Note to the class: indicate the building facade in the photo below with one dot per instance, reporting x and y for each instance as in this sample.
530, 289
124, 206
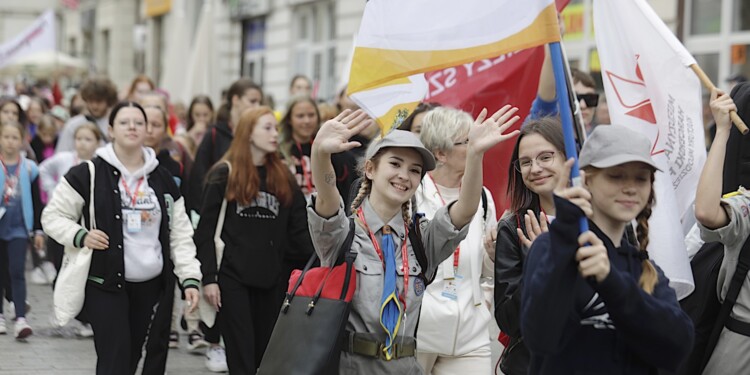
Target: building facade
201, 46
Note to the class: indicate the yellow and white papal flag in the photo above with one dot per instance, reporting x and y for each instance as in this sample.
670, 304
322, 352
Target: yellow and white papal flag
399, 41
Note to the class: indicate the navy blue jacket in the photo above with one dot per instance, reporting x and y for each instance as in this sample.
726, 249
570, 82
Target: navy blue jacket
574, 326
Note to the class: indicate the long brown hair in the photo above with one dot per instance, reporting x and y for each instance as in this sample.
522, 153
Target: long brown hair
649, 277
285, 126
243, 183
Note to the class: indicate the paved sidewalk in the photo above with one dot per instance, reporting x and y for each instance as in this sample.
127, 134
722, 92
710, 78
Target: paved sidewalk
45, 354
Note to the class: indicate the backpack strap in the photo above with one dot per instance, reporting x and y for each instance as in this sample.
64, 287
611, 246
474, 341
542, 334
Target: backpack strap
415, 237
735, 285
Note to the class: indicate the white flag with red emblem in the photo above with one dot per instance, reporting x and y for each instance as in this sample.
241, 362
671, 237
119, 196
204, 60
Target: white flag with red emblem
651, 89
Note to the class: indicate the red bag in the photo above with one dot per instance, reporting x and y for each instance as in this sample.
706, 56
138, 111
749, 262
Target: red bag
309, 331
326, 280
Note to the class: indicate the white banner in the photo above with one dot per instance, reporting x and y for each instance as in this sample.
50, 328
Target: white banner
38, 37
651, 89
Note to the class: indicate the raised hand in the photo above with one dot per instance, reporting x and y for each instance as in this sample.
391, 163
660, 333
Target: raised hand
721, 104
578, 195
592, 257
333, 137
485, 133
534, 227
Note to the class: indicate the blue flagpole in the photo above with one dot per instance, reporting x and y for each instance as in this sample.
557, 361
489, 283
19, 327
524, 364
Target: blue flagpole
566, 115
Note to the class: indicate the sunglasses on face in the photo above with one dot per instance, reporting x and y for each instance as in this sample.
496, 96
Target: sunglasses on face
591, 100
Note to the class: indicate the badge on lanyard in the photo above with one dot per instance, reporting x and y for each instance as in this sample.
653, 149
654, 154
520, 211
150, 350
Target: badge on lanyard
450, 287
133, 221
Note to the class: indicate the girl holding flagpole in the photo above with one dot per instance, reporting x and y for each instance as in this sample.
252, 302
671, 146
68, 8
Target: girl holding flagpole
593, 303
726, 220
390, 280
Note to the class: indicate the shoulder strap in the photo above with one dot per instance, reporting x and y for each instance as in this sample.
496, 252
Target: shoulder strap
345, 251
484, 204
220, 221
92, 173
738, 278
415, 237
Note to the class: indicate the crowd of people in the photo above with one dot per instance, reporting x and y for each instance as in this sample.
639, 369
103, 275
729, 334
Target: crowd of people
216, 203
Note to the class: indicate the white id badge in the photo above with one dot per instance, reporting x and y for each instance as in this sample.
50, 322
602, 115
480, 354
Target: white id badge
133, 221
2, 212
450, 287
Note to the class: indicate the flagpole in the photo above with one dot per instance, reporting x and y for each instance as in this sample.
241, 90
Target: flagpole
561, 87
710, 86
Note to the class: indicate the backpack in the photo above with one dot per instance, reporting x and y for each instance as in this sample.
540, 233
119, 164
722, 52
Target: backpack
709, 316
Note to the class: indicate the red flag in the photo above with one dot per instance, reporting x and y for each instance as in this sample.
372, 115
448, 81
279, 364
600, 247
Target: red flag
508, 79
561, 4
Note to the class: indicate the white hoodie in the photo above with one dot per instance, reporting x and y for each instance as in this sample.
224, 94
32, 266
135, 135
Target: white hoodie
142, 249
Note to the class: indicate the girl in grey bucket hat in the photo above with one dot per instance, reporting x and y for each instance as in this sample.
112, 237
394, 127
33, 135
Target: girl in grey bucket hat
594, 302
390, 279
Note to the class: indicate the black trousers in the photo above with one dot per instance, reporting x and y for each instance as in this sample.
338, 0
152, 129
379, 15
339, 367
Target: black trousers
247, 319
121, 322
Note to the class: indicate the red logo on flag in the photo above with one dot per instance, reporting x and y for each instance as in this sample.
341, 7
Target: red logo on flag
632, 94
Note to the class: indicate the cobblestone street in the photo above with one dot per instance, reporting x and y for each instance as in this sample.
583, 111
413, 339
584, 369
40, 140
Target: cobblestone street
64, 353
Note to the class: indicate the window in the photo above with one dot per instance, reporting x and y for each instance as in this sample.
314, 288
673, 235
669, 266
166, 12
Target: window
705, 16
741, 14
254, 47
314, 47
709, 62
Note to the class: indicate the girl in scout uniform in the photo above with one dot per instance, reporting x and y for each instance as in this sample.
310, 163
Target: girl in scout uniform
726, 220
386, 303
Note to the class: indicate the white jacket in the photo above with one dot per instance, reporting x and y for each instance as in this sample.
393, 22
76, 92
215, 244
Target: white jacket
457, 327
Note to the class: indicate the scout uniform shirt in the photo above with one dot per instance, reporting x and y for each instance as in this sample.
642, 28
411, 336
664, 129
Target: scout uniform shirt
440, 239
731, 352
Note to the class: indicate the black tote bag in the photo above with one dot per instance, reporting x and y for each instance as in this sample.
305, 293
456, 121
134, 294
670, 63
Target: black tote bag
306, 339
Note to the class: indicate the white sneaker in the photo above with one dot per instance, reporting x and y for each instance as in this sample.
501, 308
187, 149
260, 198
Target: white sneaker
216, 359
49, 271
37, 277
22, 329
3, 329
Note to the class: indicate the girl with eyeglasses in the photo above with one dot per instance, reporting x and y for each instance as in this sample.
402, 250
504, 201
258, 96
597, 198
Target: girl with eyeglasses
142, 239
537, 163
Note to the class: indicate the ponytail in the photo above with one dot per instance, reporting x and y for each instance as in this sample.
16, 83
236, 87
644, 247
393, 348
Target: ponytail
648, 273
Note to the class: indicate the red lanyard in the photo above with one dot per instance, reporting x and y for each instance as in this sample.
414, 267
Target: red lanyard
6, 191
132, 196
404, 254
456, 253
306, 173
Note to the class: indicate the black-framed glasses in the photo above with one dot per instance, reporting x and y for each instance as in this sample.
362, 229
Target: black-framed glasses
466, 142
591, 100
545, 159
